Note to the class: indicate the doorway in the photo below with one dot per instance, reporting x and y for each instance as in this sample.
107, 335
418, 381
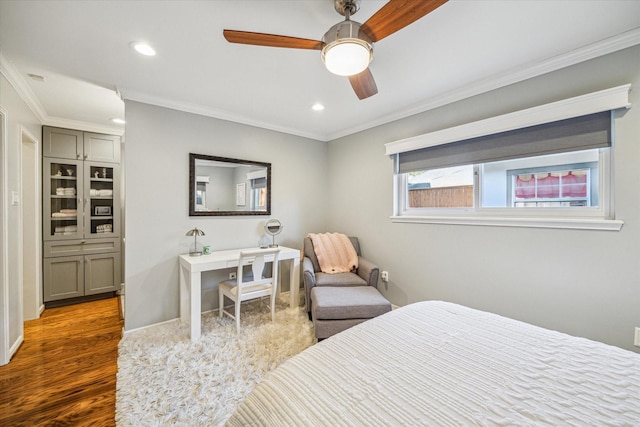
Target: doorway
30, 217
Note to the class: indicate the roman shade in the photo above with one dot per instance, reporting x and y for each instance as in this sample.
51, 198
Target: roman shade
574, 134
259, 183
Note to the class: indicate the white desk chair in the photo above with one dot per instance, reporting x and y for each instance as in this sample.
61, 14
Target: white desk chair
252, 286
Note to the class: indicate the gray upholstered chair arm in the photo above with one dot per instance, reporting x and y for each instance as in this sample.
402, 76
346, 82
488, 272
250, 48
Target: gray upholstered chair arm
368, 271
309, 277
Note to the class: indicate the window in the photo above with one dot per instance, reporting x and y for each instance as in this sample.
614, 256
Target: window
531, 170
562, 186
259, 194
570, 181
440, 188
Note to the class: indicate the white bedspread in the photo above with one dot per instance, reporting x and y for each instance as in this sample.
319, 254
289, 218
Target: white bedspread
437, 363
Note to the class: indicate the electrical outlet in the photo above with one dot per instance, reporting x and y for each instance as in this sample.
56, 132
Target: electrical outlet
636, 340
385, 276
232, 275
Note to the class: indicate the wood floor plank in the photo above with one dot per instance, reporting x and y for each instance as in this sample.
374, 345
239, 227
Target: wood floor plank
65, 371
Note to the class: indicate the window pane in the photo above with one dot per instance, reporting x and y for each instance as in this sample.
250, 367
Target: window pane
440, 188
557, 180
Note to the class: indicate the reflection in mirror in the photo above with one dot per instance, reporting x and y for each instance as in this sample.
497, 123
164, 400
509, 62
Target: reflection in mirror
224, 186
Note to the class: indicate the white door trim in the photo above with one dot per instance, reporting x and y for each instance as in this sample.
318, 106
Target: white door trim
4, 275
36, 301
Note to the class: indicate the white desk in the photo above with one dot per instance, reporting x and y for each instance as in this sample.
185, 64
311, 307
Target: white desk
191, 269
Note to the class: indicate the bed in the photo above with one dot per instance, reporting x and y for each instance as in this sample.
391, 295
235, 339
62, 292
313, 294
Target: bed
435, 363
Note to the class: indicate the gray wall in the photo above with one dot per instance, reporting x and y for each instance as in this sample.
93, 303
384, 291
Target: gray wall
19, 117
158, 144
585, 283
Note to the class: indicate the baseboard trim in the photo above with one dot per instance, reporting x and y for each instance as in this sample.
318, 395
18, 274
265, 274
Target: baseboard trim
16, 345
126, 332
177, 319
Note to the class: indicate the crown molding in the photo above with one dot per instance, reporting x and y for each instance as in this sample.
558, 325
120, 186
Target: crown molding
82, 125
16, 80
132, 95
515, 75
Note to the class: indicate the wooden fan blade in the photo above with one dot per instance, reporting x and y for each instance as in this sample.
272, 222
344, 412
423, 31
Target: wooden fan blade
396, 15
272, 40
363, 84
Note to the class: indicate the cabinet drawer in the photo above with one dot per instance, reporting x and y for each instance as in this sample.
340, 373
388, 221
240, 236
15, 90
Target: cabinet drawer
80, 247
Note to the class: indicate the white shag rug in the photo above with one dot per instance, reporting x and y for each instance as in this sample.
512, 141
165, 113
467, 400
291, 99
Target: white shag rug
166, 380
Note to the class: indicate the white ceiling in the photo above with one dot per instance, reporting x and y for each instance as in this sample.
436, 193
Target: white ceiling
82, 50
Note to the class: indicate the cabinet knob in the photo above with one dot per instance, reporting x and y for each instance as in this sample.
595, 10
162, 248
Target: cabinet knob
85, 156
77, 155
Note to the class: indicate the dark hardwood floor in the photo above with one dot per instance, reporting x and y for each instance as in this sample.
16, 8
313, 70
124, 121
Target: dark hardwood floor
64, 374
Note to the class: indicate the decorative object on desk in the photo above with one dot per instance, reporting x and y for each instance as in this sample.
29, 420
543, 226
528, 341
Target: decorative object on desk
195, 232
102, 210
206, 250
263, 242
96, 174
273, 227
59, 173
104, 172
70, 172
240, 194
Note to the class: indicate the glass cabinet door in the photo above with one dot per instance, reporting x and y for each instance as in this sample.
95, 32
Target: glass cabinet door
62, 199
102, 190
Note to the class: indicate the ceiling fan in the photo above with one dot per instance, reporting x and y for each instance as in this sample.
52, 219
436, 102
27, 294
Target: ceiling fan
347, 48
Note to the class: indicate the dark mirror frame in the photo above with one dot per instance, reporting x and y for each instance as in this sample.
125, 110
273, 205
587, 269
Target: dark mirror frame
192, 185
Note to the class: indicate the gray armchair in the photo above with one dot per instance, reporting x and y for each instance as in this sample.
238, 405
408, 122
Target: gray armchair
339, 301
366, 275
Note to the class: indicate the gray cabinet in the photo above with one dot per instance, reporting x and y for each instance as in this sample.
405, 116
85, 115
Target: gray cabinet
63, 278
81, 213
81, 199
101, 273
78, 145
80, 275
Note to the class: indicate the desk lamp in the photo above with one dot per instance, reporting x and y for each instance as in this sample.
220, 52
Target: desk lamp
195, 233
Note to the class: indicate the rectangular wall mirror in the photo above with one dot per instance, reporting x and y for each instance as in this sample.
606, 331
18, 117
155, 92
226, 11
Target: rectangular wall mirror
220, 186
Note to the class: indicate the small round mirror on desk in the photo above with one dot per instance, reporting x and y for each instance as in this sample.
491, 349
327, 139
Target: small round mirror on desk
273, 227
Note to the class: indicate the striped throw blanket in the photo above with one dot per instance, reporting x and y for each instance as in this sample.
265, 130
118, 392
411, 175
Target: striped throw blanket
335, 252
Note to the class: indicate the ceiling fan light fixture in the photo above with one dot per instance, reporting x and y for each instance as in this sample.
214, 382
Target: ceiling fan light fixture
347, 51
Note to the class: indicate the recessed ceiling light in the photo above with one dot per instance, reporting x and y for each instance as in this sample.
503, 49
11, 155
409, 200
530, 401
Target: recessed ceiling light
143, 48
118, 121
317, 107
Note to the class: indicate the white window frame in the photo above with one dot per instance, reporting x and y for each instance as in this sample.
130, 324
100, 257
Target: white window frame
595, 218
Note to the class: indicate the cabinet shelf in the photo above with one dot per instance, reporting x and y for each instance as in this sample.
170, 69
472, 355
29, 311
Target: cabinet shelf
64, 177
64, 219
101, 180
